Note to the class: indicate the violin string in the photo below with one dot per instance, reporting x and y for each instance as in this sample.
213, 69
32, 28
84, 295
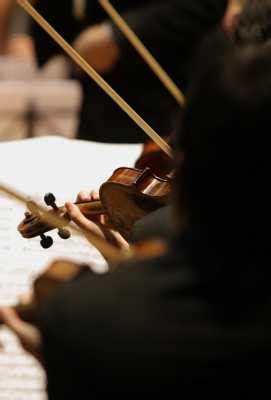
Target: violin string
144, 52
75, 56
111, 252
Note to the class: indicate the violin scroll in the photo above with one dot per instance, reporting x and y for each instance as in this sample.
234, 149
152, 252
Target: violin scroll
32, 225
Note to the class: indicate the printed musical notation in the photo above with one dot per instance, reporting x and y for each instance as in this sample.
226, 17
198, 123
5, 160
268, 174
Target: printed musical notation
64, 167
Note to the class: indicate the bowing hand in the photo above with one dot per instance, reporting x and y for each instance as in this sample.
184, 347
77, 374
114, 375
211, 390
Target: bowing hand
28, 335
97, 46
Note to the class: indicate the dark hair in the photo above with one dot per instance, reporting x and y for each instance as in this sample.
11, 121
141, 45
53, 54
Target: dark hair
253, 25
223, 183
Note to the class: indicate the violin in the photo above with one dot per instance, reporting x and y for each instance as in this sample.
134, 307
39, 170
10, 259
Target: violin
153, 157
127, 196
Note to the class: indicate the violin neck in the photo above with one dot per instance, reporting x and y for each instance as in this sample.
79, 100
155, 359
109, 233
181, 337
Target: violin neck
90, 208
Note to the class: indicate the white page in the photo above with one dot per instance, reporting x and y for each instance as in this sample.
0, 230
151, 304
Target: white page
36, 166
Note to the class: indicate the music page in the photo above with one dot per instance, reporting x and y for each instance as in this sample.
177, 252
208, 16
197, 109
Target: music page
35, 167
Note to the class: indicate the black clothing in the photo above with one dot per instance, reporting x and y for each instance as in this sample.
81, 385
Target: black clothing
156, 225
171, 30
150, 328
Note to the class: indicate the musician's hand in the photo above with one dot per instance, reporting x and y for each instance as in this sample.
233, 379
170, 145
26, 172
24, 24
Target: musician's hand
95, 227
97, 46
85, 196
28, 334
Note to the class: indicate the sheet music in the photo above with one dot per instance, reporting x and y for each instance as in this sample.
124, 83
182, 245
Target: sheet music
36, 166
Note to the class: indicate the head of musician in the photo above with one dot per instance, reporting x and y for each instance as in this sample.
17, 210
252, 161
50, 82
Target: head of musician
253, 24
222, 185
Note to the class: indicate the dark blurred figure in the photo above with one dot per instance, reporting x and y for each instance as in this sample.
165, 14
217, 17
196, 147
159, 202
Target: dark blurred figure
196, 320
246, 22
171, 30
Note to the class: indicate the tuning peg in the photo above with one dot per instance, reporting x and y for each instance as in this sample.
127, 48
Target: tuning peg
46, 241
27, 214
64, 234
50, 200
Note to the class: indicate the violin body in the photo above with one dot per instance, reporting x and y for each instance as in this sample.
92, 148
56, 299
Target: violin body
127, 196
130, 194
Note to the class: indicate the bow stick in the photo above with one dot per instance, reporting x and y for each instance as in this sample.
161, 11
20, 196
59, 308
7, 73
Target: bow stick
143, 51
75, 56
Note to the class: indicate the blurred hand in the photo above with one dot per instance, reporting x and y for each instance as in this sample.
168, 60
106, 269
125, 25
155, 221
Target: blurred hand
28, 334
97, 46
59, 272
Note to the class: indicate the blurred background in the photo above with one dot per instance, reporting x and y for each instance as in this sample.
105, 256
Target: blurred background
42, 93
33, 101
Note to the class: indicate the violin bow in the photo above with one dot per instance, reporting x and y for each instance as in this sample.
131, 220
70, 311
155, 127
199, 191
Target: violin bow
109, 251
143, 52
81, 62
